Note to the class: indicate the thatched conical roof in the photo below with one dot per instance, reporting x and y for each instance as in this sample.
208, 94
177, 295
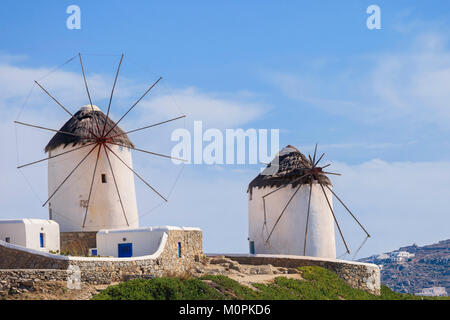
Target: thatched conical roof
291, 165
88, 118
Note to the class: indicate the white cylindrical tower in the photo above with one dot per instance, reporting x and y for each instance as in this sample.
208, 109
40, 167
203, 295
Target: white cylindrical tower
287, 236
112, 178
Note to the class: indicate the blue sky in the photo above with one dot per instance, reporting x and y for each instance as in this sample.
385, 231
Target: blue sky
376, 101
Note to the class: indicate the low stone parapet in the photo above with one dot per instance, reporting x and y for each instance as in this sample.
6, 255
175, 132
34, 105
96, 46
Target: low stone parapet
365, 276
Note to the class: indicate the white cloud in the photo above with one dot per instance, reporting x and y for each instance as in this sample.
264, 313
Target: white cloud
399, 202
215, 110
405, 87
358, 145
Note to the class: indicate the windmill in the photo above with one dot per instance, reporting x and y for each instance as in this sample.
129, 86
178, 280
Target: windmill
296, 215
91, 151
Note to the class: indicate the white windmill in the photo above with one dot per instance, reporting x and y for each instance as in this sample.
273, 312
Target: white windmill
90, 171
291, 210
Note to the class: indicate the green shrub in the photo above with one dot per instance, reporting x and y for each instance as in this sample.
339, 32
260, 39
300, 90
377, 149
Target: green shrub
317, 284
159, 289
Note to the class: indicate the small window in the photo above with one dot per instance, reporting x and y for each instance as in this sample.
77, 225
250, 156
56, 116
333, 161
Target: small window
252, 247
104, 178
179, 249
7, 239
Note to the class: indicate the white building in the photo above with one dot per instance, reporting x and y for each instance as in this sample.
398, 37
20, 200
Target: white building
135, 242
433, 292
36, 234
68, 205
401, 256
288, 235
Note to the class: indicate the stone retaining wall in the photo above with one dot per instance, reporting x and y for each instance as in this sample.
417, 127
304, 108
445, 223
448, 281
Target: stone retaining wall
19, 280
365, 276
164, 261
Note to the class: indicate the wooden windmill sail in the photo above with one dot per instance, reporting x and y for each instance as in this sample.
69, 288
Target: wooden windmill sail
91, 176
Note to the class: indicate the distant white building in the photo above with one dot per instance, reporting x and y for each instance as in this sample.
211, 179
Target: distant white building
401, 256
36, 234
433, 292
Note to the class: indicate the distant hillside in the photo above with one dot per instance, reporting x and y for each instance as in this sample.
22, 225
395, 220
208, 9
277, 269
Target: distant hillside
411, 269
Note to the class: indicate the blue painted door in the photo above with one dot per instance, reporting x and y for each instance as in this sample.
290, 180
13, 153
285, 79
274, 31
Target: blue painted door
41, 239
125, 250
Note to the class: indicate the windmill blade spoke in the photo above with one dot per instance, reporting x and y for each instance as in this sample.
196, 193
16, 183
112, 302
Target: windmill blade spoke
284, 186
317, 162
334, 173
112, 93
264, 206
348, 210
311, 160
73, 170
60, 154
142, 97
149, 152
150, 126
48, 129
327, 165
87, 90
115, 183
137, 175
334, 217
307, 218
64, 108
359, 248
282, 212
92, 184
314, 157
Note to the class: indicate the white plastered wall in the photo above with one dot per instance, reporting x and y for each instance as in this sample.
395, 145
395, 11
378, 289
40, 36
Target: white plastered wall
288, 236
105, 211
145, 240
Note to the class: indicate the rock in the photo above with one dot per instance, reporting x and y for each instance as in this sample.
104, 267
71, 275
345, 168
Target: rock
265, 269
220, 260
236, 266
28, 283
253, 270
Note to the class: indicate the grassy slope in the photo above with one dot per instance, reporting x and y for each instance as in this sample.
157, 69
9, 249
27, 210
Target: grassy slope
318, 283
